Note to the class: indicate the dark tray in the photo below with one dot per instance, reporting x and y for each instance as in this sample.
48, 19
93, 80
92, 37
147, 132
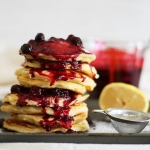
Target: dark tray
101, 131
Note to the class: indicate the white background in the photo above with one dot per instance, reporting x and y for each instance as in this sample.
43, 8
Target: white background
21, 20
105, 19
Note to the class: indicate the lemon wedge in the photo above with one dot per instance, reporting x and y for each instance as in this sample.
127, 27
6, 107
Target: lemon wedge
122, 95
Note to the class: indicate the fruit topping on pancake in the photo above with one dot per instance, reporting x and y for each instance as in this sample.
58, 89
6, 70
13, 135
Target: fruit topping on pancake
53, 83
56, 49
42, 96
62, 65
55, 75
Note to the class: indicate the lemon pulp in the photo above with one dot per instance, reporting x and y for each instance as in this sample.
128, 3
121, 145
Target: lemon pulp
122, 95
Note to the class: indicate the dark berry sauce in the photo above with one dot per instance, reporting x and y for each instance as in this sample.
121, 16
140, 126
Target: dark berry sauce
60, 49
42, 97
59, 65
61, 111
55, 75
65, 121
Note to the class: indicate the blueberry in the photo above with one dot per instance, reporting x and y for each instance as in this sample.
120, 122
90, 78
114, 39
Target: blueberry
70, 37
35, 91
40, 37
74, 40
26, 48
77, 41
21, 103
48, 128
60, 92
16, 88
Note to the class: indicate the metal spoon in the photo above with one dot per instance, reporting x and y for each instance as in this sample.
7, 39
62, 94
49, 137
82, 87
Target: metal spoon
126, 121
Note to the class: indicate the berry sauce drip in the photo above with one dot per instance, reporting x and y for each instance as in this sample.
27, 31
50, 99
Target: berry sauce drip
65, 121
58, 48
42, 97
55, 75
57, 65
61, 111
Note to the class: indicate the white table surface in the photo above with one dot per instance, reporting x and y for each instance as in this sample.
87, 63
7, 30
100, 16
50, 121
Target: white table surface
66, 146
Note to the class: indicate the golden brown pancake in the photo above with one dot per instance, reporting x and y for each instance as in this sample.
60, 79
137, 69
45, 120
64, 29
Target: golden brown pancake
83, 57
51, 102
30, 128
54, 76
72, 110
36, 119
82, 67
27, 82
88, 58
40, 103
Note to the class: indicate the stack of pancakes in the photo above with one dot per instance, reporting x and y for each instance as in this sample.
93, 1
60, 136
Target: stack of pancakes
53, 86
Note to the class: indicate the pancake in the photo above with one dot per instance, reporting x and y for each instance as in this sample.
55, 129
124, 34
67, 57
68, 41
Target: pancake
87, 58
27, 82
51, 101
56, 49
57, 65
39, 120
54, 76
30, 128
55, 111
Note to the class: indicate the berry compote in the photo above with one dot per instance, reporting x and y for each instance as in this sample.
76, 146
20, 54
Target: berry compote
60, 49
55, 75
43, 97
116, 65
57, 65
65, 121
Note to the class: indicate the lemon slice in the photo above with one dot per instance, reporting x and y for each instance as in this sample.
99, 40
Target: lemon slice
122, 95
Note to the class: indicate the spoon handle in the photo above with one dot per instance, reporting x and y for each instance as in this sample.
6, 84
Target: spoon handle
99, 111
